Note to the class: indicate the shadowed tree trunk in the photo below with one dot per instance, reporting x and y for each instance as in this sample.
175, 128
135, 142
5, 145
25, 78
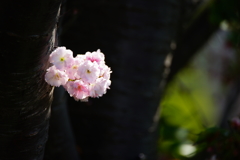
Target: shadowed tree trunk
135, 36
27, 35
61, 143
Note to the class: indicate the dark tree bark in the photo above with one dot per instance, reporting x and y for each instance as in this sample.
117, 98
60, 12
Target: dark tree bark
27, 35
61, 142
135, 36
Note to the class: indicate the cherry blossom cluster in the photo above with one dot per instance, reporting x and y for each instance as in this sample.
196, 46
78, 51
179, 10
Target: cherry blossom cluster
82, 76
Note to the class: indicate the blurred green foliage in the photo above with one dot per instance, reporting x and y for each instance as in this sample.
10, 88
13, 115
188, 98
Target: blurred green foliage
187, 109
223, 144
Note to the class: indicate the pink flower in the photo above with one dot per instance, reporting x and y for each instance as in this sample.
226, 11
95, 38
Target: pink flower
73, 68
55, 77
99, 88
61, 58
80, 58
83, 76
105, 71
77, 89
72, 72
97, 56
88, 71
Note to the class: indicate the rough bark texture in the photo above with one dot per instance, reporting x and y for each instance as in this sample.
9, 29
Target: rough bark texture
61, 142
27, 35
135, 36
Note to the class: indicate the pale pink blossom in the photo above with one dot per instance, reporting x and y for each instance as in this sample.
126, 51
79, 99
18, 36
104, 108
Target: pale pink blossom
80, 58
99, 88
77, 89
73, 68
96, 56
108, 83
72, 72
61, 58
88, 71
105, 71
83, 76
55, 77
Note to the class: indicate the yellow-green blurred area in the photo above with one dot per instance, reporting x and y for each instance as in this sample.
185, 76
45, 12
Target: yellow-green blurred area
194, 100
187, 109
189, 99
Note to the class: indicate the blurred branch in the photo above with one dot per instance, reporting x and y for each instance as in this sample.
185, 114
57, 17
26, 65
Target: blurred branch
230, 103
195, 36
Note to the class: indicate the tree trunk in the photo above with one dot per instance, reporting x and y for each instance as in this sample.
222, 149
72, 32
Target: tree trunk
135, 36
27, 35
61, 142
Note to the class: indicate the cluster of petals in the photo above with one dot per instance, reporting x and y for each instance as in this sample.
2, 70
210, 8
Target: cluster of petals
82, 76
